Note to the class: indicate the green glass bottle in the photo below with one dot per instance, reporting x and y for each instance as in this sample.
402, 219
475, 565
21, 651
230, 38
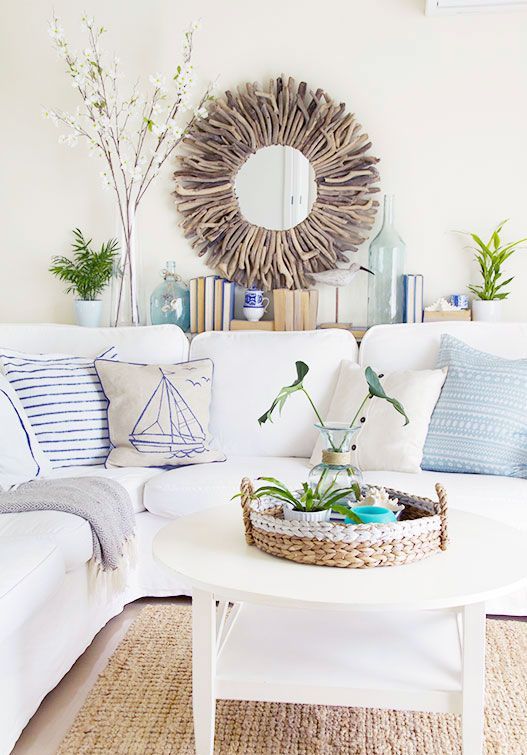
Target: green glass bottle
386, 261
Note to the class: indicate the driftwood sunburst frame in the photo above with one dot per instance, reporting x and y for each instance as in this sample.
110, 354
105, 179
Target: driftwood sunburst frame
237, 126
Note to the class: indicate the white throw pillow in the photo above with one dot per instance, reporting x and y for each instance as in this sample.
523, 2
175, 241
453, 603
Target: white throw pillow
21, 458
384, 442
65, 404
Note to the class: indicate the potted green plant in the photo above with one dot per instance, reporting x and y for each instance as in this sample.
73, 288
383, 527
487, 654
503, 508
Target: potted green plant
87, 275
491, 257
309, 504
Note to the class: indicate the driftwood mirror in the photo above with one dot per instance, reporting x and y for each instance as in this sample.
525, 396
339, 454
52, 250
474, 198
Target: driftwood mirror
276, 184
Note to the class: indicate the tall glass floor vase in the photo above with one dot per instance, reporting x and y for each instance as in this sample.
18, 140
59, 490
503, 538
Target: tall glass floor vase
125, 283
386, 261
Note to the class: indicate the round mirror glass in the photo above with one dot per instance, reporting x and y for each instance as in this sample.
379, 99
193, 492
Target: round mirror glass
276, 187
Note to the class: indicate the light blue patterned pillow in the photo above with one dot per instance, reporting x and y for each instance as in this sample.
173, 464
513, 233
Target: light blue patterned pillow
479, 424
64, 401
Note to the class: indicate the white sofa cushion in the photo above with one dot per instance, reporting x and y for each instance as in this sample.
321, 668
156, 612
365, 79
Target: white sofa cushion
68, 533
21, 458
71, 534
384, 441
249, 370
501, 498
30, 572
386, 348
151, 344
131, 478
189, 489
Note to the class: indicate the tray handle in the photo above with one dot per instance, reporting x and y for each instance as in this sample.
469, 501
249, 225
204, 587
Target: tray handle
441, 508
247, 490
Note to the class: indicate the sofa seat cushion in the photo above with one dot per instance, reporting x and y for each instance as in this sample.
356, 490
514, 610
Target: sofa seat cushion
501, 498
31, 570
69, 533
189, 489
133, 479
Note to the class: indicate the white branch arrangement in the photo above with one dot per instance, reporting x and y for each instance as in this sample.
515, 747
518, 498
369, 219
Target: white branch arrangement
134, 134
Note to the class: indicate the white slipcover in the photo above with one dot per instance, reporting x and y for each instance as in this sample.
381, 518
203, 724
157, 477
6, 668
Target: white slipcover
31, 571
249, 370
163, 344
387, 348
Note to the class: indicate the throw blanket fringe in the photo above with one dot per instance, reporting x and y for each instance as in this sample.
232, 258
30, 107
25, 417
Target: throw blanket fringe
107, 582
103, 503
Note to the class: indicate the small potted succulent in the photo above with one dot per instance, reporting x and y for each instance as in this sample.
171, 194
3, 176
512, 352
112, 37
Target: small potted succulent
491, 257
309, 504
87, 275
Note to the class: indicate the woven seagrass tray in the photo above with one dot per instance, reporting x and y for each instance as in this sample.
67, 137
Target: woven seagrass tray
420, 531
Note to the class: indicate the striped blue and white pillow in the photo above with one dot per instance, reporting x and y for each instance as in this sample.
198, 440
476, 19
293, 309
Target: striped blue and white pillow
479, 424
65, 403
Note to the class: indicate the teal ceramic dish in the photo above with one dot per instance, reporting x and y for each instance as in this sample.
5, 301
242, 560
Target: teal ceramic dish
373, 515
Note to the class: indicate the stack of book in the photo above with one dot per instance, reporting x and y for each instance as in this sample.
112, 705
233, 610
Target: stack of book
211, 303
295, 310
413, 298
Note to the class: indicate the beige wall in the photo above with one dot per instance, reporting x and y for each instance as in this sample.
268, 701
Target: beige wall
443, 99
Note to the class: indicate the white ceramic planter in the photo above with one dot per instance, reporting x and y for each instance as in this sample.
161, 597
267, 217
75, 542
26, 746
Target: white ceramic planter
89, 313
306, 516
486, 311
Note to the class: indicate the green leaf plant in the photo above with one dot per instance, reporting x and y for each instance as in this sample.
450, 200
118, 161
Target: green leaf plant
310, 499
375, 391
89, 272
491, 258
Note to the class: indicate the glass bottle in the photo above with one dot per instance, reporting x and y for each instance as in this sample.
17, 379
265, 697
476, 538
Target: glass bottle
336, 468
386, 261
170, 301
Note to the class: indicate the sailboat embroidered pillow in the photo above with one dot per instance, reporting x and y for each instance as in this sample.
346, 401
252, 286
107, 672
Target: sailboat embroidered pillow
158, 415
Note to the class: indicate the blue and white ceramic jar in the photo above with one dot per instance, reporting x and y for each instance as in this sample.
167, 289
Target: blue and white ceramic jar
254, 304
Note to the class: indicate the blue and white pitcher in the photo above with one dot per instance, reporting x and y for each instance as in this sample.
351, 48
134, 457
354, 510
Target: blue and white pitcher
254, 304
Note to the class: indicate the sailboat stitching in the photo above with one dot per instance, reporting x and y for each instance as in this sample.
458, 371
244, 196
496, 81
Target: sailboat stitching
167, 424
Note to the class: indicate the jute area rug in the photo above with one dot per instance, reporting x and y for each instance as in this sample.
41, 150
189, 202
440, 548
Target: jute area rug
141, 705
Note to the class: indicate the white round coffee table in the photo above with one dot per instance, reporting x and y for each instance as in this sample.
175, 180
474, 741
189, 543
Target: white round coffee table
407, 637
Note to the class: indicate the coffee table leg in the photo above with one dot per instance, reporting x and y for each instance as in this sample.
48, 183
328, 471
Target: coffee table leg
473, 678
203, 670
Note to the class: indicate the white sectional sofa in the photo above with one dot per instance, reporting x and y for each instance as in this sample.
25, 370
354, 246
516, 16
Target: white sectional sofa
48, 617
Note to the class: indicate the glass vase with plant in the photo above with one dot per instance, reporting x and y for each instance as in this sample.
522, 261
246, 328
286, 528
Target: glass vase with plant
336, 470
133, 134
491, 257
87, 275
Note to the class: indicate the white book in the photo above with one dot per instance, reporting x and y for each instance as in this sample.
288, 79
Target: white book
210, 283
409, 298
193, 286
228, 304
419, 298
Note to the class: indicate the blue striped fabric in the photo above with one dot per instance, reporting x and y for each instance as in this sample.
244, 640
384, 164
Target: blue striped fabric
479, 424
64, 401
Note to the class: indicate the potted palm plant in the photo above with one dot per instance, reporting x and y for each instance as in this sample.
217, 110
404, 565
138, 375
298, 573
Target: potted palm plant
87, 275
491, 257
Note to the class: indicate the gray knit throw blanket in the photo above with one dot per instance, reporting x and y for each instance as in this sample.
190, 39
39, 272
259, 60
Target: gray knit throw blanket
103, 503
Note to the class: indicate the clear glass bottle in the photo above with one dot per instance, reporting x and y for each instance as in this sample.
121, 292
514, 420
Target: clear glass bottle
386, 261
336, 468
170, 301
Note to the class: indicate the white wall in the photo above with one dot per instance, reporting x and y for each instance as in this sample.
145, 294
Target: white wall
443, 99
